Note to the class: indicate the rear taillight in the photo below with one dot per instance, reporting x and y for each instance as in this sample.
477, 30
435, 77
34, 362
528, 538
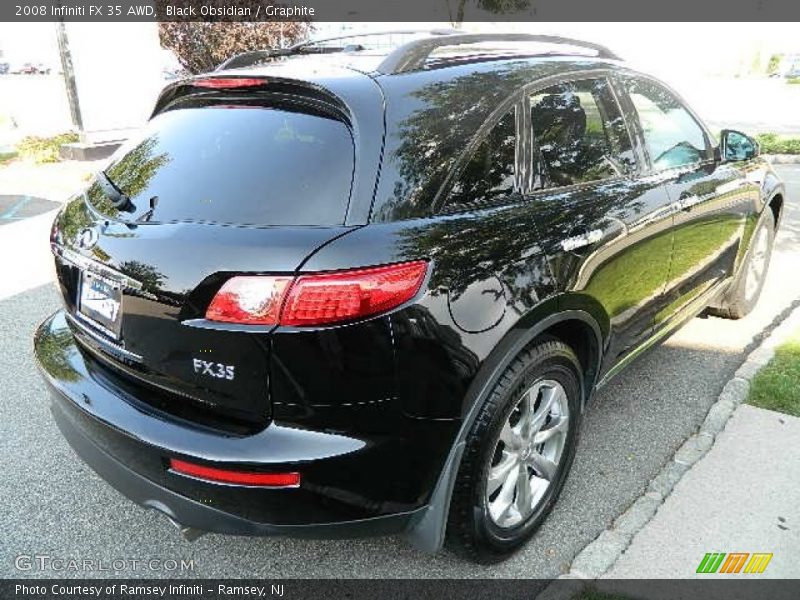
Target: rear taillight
316, 299
253, 300
227, 83
235, 477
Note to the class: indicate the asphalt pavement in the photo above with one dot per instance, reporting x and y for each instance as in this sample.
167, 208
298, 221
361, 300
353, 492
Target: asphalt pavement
52, 505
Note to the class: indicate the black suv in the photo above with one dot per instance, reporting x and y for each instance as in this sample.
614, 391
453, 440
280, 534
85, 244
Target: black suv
358, 292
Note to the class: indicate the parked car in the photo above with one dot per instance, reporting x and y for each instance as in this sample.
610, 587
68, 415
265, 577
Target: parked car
31, 69
4, 68
379, 300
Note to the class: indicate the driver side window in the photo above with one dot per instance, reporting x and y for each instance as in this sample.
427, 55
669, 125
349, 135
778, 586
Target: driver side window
672, 136
579, 133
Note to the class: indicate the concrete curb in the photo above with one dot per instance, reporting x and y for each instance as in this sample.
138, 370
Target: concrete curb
601, 554
783, 159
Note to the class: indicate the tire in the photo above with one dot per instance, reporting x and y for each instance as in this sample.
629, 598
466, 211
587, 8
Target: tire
745, 290
479, 528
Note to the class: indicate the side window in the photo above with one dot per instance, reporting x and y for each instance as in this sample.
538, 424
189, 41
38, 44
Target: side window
673, 137
489, 172
580, 133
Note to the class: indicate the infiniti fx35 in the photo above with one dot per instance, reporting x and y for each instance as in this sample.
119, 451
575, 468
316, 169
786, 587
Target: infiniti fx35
355, 293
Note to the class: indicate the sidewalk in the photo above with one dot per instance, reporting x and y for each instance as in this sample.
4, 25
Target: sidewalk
743, 496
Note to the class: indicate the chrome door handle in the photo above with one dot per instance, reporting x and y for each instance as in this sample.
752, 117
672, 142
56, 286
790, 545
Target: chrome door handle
580, 241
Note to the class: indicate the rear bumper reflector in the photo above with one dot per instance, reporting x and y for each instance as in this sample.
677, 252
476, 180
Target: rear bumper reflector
228, 476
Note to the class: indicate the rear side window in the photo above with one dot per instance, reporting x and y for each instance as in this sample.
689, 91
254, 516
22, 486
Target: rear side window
238, 164
489, 173
580, 133
672, 136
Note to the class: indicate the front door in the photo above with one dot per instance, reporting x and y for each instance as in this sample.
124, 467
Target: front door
710, 202
605, 229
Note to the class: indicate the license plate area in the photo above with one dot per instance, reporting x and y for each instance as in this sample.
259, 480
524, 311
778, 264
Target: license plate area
100, 303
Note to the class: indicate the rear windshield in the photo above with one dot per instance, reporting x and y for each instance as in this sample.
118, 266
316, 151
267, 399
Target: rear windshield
242, 164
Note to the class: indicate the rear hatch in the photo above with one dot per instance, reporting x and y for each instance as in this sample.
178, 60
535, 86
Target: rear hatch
223, 181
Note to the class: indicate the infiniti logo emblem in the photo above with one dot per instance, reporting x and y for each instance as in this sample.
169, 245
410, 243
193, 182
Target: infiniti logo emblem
87, 238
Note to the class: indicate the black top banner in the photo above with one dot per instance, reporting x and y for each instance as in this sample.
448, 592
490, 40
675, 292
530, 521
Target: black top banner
399, 11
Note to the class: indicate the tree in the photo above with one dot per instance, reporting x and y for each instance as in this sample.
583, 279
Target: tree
499, 7
202, 46
774, 64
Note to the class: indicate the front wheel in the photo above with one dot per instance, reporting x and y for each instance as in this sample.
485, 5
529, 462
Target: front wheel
746, 289
517, 454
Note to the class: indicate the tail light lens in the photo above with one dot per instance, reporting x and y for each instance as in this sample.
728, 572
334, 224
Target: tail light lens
317, 299
249, 300
227, 83
235, 477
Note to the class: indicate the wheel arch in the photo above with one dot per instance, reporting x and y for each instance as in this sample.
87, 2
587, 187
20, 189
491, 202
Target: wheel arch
569, 324
775, 204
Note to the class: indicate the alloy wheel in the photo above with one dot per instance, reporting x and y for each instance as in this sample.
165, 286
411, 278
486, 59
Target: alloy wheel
758, 264
527, 453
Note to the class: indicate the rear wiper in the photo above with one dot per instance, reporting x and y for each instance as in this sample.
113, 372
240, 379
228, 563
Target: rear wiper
148, 214
118, 199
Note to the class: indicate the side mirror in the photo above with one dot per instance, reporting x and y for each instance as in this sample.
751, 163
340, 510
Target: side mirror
736, 146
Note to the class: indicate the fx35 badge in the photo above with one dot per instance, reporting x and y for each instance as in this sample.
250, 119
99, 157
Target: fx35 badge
213, 369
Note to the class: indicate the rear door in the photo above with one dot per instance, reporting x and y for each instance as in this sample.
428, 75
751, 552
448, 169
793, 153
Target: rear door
607, 229
221, 183
710, 202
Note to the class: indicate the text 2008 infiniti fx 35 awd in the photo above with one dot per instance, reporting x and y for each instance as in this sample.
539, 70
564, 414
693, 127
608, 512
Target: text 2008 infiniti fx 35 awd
345, 294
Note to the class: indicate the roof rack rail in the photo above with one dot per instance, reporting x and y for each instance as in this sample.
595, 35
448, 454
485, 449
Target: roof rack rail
246, 59
412, 55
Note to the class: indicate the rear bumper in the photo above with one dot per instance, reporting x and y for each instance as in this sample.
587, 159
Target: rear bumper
129, 446
191, 513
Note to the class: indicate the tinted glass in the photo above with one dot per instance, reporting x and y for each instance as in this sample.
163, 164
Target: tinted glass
672, 136
580, 134
236, 164
489, 172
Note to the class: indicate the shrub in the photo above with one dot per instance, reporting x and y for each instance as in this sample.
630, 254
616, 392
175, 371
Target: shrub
771, 143
44, 149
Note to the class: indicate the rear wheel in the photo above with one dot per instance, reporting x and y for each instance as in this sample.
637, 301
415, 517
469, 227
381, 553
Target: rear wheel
517, 454
746, 289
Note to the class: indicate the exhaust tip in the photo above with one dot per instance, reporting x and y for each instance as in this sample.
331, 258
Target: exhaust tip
190, 534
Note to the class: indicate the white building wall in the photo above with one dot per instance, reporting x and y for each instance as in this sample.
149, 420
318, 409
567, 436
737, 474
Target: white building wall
118, 72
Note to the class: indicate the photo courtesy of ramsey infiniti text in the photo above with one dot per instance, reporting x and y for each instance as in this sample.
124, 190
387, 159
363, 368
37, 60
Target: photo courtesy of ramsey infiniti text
335, 290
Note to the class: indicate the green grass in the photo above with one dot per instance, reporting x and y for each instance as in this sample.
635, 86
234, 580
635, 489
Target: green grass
772, 143
777, 386
793, 81
44, 149
7, 157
